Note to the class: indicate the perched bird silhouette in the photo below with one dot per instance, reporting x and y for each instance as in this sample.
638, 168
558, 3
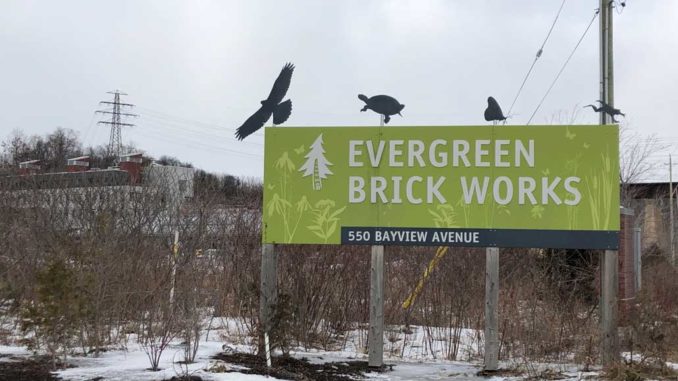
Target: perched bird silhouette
382, 104
493, 112
270, 105
606, 108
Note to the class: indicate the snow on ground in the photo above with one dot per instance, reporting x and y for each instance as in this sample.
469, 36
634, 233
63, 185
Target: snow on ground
422, 357
9, 350
134, 364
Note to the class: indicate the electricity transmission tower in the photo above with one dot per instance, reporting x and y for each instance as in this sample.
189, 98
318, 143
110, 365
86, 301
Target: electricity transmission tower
116, 122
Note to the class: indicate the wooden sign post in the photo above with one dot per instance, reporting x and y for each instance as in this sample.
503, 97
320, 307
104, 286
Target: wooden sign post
609, 282
491, 308
375, 337
376, 333
268, 296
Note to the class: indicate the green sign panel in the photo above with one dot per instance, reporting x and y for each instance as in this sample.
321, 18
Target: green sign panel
506, 186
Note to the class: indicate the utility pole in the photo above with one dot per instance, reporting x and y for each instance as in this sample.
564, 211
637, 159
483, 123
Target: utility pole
609, 267
671, 227
116, 122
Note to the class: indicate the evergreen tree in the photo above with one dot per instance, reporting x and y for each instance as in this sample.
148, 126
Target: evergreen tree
316, 164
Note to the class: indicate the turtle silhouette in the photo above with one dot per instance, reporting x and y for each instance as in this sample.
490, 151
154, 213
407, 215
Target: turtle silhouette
382, 104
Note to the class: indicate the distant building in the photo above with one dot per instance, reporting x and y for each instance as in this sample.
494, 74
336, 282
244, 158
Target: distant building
176, 181
82, 191
650, 203
29, 167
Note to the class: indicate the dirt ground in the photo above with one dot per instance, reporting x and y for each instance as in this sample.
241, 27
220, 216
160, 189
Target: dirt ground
295, 369
26, 369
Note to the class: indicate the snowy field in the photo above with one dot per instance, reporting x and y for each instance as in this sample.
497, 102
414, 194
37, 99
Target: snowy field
421, 358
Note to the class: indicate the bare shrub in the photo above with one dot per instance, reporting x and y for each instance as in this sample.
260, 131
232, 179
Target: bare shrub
547, 308
651, 332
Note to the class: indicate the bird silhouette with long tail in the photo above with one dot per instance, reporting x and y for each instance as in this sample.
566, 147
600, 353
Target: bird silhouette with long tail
270, 106
382, 104
493, 112
606, 108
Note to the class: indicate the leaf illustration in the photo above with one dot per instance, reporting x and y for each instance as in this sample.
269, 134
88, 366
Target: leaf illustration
445, 217
314, 228
303, 205
435, 215
319, 234
502, 209
325, 220
537, 211
324, 203
281, 205
272, 205
331, 230
285, 163
337, 213
299, 150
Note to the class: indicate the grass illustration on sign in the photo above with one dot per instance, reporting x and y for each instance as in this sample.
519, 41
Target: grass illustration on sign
321, 217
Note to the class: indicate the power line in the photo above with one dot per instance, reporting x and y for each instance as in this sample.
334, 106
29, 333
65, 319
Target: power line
564, 65
88, 129
190, 122
195, 140
189, 130
196, 144
161, 115
537, 56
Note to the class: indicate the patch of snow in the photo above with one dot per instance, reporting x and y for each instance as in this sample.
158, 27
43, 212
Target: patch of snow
420, 354
8, 350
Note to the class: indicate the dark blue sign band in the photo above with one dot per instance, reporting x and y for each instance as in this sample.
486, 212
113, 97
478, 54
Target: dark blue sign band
555, 239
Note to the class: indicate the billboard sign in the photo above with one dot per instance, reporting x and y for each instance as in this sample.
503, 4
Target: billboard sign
506, 186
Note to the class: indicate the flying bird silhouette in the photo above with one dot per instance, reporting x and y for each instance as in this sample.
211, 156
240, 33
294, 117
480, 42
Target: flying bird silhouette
606, 108
382, 104
270, 106
493, 112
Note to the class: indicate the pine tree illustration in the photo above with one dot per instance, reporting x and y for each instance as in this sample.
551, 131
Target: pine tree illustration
316, 164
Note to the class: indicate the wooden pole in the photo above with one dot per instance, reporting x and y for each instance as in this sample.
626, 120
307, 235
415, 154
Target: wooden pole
491, 308
175, 256
375, 336
376, 333
671, 227
609, 277
609, 266
269, 292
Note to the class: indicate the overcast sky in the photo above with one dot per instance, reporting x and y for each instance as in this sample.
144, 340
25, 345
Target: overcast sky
197, 69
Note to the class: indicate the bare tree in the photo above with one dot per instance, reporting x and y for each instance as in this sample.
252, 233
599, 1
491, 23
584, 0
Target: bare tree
635, 160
